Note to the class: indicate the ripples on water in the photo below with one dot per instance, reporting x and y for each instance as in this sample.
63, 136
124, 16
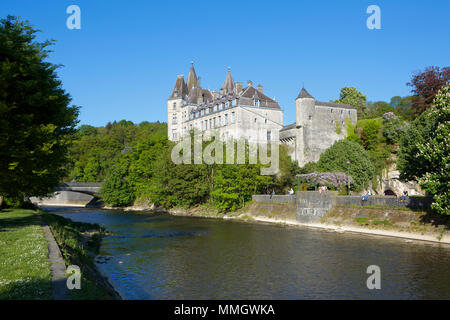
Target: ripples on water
166, 257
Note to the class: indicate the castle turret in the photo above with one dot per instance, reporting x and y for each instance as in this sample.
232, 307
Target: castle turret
304, 108
175, 104
228, 85
192, 80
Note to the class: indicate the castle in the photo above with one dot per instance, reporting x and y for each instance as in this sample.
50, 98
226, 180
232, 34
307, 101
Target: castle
237, 112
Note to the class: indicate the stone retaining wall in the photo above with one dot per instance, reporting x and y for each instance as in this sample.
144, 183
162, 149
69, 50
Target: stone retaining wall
312, 205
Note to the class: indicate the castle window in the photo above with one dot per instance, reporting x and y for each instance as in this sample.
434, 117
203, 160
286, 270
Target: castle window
309, 117
174, 106
332, 121
226, 119
348, 111
269, 135
206, 110
342, 111
210, 123
255, 120
233, 116
265, 121
214, 122
206, 124
331, 110
220, 121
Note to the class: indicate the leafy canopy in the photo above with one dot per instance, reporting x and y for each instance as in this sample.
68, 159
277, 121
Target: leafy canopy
36, 121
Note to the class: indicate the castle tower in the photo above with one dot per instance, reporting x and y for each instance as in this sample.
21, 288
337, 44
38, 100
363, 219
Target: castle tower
304, 107
175, 104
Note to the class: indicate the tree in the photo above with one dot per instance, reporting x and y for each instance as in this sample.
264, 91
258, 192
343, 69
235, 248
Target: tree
116, 190
370, 133
403, 107
411, 166
36, 121
353, 97
393, 128
436, 153
425, 86
377, 109
335, 159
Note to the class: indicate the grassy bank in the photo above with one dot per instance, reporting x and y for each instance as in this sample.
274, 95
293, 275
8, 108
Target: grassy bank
24, 264
79, 243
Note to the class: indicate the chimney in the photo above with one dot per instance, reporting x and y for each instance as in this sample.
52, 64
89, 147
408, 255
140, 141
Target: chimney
249, 83
238, 87
260, 88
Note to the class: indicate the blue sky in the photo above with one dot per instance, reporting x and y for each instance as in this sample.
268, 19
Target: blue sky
123, 62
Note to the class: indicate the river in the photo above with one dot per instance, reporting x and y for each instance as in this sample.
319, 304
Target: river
158, 256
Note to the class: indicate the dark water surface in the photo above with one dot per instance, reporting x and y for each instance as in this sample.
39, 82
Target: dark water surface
157, 256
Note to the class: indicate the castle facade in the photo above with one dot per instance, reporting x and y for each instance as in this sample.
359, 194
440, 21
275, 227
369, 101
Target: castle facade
246, 112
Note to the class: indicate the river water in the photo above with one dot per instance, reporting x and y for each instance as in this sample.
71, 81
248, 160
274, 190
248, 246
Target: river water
158, 256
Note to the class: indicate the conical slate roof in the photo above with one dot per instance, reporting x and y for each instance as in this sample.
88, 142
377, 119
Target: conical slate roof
192, 80
304, 94
228, 85
180, 89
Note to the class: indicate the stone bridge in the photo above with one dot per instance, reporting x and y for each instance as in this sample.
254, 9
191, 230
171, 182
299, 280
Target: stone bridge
80, 194
91, 188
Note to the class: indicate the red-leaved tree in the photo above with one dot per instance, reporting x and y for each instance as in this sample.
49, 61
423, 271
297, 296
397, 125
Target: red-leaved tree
425, 86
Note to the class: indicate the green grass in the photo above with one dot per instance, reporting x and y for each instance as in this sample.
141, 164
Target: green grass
79, 242
362, 220
383, 222
24, 264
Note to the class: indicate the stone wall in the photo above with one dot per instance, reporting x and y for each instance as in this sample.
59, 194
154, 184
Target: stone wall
273, 199
415, 203
310, 206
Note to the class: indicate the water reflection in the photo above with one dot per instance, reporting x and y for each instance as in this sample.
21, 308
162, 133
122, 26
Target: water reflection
165, 257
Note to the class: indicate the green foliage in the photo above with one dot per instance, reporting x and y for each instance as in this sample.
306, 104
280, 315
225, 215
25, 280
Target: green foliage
377, 109
335, 159
403, 107
410, 165
96, 150
116, 190
370, 135
353, 97
36, 121
351, 133
435, 153
393, 129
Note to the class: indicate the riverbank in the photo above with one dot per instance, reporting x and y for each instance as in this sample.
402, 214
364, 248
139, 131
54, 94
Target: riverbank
79, 244
380, 221
385, 221
36, 247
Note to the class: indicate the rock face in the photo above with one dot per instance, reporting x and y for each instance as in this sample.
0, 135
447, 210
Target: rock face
391, 184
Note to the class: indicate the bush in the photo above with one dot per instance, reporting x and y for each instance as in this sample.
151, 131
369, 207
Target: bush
335, 159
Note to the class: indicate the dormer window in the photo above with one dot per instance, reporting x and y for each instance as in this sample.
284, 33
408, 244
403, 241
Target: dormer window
257, 102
